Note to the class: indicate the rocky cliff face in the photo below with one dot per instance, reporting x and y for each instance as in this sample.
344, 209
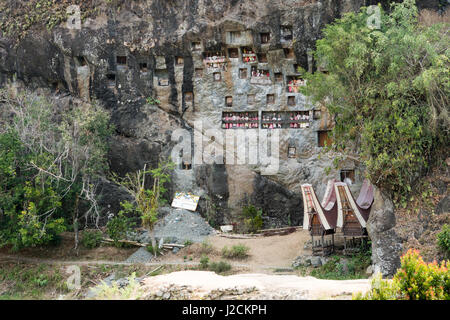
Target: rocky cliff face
133, 50
163, 50
170, 71
386, 244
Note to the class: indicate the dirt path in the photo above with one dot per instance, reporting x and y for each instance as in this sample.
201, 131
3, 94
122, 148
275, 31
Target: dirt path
265, 252
277, 251
10, 258
253, 277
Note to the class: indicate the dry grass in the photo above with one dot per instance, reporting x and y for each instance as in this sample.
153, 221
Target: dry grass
410, 227
264, 253
429, 17
418, 225
64, 251
20, 280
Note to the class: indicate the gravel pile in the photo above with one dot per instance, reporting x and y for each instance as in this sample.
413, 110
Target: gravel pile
181, 225
177, 226
140, 256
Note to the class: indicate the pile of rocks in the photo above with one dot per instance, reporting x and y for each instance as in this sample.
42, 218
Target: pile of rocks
309, 260
252, 293
174, 292
181, 225
121, 283
195, 285
171, 292
142, 255
177, 226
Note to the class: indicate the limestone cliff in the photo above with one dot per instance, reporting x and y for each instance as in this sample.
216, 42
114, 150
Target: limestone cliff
129, 51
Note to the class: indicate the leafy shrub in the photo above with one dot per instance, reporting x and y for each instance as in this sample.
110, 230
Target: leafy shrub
153, 101
204, 262
206, 247
49, 160
118, 227
252, 218
146, 201
26, 198
380, 290
220, 267
443, 239
414, 280
91, 239
153, 250
131, 291
421, 281
211, 214
340, 269
41, 280
238, 251
332, 269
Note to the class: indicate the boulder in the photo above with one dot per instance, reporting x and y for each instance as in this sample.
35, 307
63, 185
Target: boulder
443, 206
369, 271
344, 263
315, 261
281, 206
323, 260
308, 260
110, 195
300, 261
386, 244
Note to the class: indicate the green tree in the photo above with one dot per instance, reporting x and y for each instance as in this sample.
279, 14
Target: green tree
49, 160
118, 227
443, 239
252, 218
147, 201
388, 91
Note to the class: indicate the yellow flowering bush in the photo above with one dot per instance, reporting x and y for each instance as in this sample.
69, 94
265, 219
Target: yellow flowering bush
418, 280
414, 280
380, 290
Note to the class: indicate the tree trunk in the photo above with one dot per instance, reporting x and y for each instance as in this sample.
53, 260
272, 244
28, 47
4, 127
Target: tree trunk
152, 235
75, 223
